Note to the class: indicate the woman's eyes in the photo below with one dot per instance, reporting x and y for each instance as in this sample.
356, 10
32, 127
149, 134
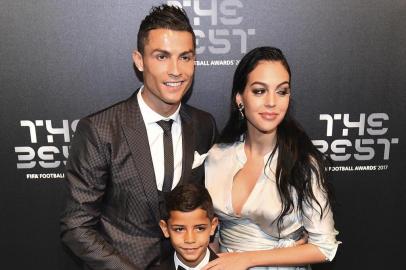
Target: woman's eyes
280, 91
258, 91
283, 91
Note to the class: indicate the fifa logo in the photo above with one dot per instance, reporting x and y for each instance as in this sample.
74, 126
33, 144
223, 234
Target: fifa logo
370, 141
46, 156
224, 21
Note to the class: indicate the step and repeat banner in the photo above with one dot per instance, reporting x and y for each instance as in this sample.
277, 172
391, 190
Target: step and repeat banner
62, 60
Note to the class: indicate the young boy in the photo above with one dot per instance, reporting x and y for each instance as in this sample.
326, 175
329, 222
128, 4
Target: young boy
189, 225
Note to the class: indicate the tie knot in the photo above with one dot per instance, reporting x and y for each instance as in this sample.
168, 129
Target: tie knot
166, 125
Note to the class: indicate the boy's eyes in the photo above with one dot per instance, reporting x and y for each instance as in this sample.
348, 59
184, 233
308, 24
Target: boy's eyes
197, 228
200, 228
178, 229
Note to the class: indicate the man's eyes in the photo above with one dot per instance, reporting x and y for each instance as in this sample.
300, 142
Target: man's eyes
161, 56
186, 58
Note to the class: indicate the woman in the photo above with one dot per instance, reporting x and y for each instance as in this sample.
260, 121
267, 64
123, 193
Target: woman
265, 176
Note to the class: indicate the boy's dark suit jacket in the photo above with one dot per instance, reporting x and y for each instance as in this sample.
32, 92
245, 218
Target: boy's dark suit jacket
112, 213
169, 263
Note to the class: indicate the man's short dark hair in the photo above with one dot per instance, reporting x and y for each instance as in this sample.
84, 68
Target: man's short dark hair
189, 197
164, 17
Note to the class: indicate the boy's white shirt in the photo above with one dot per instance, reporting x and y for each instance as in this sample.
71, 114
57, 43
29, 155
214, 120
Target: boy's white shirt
198, 267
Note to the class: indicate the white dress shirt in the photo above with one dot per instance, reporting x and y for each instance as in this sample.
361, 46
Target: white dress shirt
155, 140
197, 267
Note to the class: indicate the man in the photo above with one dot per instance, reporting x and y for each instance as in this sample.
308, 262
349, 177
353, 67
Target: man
123, 158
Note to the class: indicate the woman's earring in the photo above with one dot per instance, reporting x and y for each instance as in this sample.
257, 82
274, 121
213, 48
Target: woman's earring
241, 109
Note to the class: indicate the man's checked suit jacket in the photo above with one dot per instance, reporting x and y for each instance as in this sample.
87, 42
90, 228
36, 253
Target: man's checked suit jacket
112, 212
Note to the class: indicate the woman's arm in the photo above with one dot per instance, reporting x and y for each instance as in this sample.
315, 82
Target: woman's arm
287, 256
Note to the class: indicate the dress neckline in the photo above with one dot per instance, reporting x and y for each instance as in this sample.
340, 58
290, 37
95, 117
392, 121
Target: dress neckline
241, 160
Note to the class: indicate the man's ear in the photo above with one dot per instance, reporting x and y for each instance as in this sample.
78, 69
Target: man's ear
214, 222
164, 227
138, 61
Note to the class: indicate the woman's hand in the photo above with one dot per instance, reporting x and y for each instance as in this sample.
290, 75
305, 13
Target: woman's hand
229, 261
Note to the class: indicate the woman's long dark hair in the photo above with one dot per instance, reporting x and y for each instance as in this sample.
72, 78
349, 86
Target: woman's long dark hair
298, 160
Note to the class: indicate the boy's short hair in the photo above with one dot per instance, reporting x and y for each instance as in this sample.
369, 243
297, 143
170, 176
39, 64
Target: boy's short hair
189, 197
164, 17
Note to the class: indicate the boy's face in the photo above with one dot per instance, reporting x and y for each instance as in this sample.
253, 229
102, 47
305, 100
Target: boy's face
189, 233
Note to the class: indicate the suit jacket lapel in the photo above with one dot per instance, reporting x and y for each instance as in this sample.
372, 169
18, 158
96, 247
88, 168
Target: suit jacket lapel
171, 263
188, 144
213, 255
167, 264
137, 139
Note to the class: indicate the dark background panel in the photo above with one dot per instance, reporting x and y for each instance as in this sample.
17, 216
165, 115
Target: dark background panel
62, 60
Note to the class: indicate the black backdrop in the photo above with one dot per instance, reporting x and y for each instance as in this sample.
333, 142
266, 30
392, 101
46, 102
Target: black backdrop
61, 60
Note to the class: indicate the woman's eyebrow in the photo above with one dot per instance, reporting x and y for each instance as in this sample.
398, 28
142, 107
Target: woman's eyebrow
265, 85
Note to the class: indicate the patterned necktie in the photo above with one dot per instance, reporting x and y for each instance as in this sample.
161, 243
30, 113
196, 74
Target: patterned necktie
180, 268
168, 154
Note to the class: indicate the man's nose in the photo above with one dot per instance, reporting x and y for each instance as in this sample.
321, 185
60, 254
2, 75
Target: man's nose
174, 69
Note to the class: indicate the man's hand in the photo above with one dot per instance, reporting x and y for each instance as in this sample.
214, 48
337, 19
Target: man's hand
303, 239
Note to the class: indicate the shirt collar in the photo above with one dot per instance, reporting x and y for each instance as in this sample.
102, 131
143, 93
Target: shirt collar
149, 115
203, 262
